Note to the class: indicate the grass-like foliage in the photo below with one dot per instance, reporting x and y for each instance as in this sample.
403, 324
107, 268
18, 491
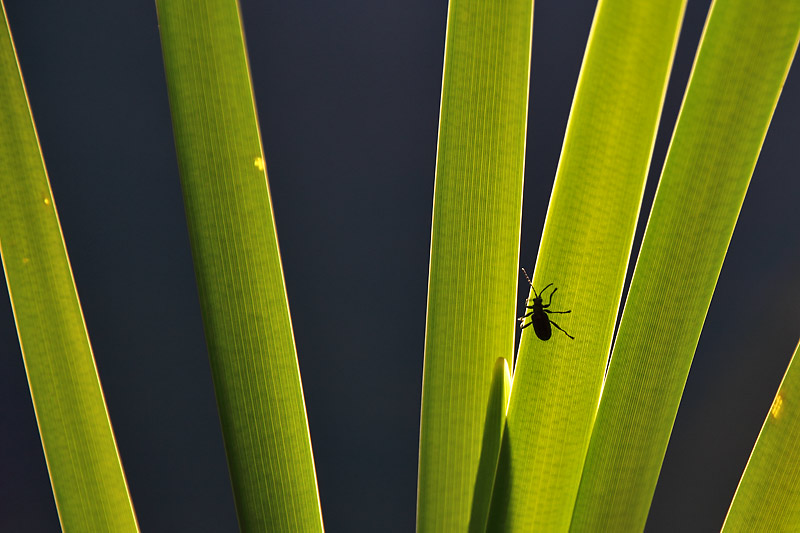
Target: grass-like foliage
584, 250
474, 247
571, 457
85, 472
737, 78
551, 444
238, 267
768, 497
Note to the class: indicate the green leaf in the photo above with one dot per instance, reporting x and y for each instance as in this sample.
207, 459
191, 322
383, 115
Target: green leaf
490, 450
768, 497
474, 246
238, 268
584, 252
741, 65
82, 459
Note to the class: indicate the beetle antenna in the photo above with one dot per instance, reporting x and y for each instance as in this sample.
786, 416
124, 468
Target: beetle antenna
530, 282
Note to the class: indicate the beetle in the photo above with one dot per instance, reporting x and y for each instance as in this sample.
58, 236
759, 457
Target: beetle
539, 313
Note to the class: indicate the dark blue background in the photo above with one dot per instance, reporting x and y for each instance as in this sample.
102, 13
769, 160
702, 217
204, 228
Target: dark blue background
348, 97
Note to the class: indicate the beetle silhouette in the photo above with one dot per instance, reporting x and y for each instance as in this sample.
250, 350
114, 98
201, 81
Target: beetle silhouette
539, 313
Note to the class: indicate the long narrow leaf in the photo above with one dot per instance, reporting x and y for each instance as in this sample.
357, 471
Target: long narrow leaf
474, 246
238, 268
768, 497
741, 65
493, 430
82, 459
584, 252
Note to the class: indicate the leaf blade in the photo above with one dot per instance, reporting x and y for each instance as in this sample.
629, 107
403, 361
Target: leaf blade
490, 449
474, 246
731, 96
584, 250
83, 462
768, 496
237, 266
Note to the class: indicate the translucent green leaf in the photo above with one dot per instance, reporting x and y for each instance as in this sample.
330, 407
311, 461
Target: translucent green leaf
85, 471
490, 449
474, 246
768, 497
238, 267
584, 252
741, 65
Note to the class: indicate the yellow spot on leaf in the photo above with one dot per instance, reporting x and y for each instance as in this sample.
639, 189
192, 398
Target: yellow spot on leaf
25, 260
259, 163
47, 201
777, 405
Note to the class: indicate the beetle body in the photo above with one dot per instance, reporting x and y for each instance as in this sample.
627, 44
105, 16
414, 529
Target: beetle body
539, 314
539, 320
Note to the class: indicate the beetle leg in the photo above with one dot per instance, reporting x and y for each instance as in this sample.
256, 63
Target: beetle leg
549, 300
541, 292
523, 325
523, 317
565, 333
559, 312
